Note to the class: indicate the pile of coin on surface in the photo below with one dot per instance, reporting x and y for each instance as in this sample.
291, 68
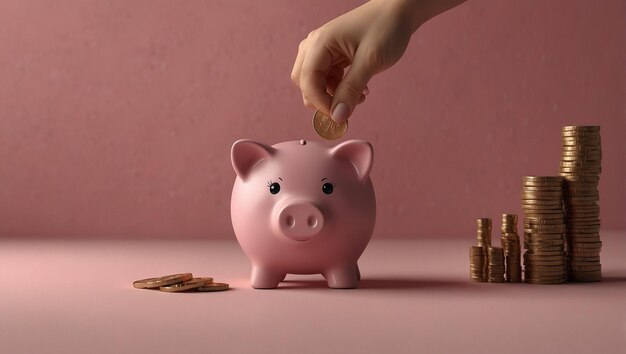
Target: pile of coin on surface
183, 282
327, 128
483, 234
544, 230
486, 262
495, 265
478, 263
511, 246
562, 217
581, 167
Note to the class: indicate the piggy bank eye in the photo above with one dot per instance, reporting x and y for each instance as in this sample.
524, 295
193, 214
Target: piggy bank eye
274, 188
327, 188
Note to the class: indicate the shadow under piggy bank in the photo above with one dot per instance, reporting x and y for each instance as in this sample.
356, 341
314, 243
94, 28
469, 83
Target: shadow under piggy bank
384, 283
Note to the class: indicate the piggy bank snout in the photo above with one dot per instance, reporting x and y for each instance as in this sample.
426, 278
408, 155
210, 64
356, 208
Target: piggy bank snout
299, 220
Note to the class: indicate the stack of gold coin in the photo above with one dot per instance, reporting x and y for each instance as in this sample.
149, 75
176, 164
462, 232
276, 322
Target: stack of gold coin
580, 168
175, 283
544, 229
511, 245
478, 263
495, 269
483, 234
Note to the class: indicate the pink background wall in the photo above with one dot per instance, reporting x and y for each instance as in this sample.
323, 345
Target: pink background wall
116, 117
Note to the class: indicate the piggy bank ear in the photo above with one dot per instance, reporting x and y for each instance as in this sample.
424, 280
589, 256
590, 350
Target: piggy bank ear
245, 154
359, 153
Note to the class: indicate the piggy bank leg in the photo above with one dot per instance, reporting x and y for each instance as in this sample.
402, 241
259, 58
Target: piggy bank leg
264, 278
358, 272
345, 277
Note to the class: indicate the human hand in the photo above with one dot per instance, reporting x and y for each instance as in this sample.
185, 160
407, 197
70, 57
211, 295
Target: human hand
368, 40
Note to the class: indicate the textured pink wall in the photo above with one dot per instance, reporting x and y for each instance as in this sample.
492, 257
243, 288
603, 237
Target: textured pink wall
116, 117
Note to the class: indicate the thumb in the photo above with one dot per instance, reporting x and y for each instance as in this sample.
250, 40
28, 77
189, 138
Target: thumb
349, 91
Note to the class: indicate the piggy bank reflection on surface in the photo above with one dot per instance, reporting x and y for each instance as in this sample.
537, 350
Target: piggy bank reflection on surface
301, 207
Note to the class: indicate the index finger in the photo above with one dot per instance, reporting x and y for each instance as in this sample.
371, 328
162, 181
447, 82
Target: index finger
315, 69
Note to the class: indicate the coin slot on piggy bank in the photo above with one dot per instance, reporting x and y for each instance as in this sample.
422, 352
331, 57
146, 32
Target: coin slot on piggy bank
317, 216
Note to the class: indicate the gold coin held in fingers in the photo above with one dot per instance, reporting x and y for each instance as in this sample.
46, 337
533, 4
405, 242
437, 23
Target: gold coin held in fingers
327, 128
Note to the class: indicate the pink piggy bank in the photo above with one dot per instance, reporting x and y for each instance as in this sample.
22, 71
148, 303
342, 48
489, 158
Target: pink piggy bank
301, 207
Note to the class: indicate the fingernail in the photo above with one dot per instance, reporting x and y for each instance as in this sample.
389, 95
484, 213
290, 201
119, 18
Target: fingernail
340, 113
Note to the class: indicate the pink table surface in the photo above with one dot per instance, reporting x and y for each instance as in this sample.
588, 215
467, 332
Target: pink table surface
77, 297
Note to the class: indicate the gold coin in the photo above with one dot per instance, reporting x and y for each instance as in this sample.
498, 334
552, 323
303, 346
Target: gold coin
483, 223
327, 128
544, 263
546, 249
581, 179
581, 193
595, 158
207, 280
152, 283
545, 282
544, 245
582, 137
582, 153
578, 163
587, 245
188, 285
573, 183
549, 253
535, 220
582, 149
542, 179
594, 128
538, 202
534, 189
588, 273
553, 193
529, 223
557, 214
213, 287
589, 143
576, 238
540, 268
532, 257
546, 273
585, 261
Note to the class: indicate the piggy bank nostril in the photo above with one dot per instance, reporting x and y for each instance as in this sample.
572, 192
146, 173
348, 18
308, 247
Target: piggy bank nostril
312, 221
291, 222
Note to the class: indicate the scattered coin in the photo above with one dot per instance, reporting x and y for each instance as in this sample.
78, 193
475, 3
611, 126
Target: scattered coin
179, 283
153, 283
213, 287
188, 285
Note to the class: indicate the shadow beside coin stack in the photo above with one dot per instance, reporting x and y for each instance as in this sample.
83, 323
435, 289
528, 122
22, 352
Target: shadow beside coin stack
183, 282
